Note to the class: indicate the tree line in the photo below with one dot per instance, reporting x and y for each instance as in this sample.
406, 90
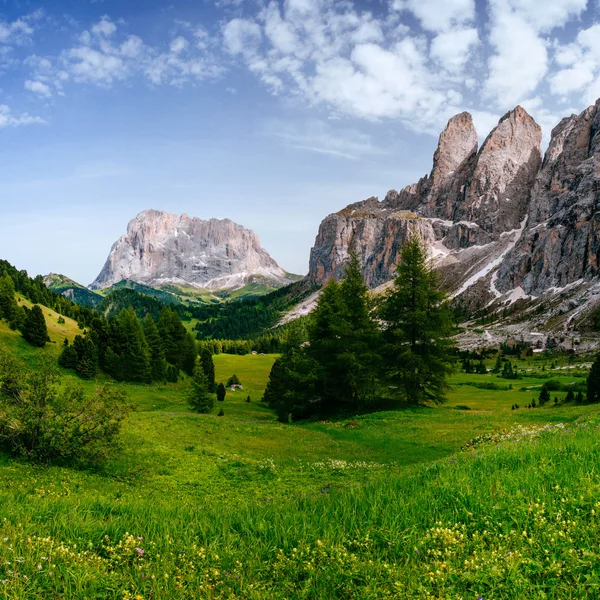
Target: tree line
360, 353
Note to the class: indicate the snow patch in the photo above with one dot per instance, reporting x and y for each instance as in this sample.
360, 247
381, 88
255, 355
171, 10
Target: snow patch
495, 263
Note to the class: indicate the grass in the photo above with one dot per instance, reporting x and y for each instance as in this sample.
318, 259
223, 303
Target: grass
240, 506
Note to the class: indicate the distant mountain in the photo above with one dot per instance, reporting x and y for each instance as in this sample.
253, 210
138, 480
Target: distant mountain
163, 250
60, 284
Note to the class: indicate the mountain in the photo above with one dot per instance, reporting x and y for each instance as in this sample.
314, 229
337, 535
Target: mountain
509, 234
470, 210
167, 250
60, 284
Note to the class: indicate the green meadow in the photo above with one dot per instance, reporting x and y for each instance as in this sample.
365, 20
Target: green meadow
383, 505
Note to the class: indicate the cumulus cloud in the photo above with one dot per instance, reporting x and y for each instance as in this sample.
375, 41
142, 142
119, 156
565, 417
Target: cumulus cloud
8, 119
439, 15
105, 56
520, 61
38, 87
579, 66
452, 49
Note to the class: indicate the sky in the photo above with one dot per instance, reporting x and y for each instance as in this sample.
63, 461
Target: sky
270, 113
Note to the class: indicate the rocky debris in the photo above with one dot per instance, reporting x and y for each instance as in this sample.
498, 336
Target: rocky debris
162, 248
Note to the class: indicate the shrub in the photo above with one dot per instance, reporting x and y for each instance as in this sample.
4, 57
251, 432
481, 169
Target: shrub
233, 380
221, 413
43, 421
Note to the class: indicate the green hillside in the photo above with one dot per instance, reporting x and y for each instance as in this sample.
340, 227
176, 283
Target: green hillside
379, 505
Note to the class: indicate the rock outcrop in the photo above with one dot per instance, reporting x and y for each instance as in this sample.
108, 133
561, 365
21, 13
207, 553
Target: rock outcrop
470, 210
562, 241
162, 248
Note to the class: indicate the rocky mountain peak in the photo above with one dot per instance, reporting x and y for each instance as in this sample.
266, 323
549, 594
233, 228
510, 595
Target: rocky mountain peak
163, 248
457, 143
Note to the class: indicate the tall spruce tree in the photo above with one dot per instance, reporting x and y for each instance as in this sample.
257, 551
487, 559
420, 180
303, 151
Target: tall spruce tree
208, 366
343, 338
199, 398
417, 326
221, 392
127, 358
173, 335
158, 363
593, 382
35, 330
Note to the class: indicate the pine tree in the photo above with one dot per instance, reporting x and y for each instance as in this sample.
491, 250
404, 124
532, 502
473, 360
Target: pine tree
208, 366
544, 396
158, 363
579, 397
35, 330
343, 340
7, 298
221, 392
593, 382
417, 329
68, 356
189, 354
127, 357
200, 399
87, 357
570, 396
173, 335
498, 365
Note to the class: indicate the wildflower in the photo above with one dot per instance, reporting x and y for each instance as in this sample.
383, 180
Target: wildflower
139, 551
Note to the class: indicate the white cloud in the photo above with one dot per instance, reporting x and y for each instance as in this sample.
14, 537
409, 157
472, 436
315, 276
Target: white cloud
94, 66
439, 15
179, 44
519, 63
241, 36
452, 49
105, 27
580, 62
544, 15
38, 87
8, 119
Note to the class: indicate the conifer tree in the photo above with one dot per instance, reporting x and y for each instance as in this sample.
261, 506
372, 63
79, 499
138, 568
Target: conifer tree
343, 339
87, 357
173, 335
35, 330
221, 392
544, 396
7, 298
208, 366
570, 396
68, 356
200, 399
127, 358
158, 363
593, 382
417, 329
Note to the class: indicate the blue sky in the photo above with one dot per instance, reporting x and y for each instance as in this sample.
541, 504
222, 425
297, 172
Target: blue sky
271, 113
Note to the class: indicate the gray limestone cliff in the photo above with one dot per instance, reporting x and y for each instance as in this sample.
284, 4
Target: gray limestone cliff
162, 248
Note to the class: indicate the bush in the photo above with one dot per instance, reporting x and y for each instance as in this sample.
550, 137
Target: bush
43, 421
233, 380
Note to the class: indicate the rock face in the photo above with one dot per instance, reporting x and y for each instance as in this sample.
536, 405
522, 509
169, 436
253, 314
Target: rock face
162, 248
470, 210
562, 241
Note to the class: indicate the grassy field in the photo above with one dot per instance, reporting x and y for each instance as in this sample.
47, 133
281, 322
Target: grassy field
240, 506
